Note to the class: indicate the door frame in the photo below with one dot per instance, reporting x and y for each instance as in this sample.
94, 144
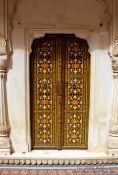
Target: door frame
30, 35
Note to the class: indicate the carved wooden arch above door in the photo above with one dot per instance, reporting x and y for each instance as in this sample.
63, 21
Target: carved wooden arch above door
59, 90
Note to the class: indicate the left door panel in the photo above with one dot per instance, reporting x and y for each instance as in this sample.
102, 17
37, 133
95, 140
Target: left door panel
43, 90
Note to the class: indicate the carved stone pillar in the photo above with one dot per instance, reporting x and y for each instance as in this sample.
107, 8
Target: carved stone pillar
113, 132
5, 142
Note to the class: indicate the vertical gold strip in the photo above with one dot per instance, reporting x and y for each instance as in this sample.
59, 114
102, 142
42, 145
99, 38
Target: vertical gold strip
59, 85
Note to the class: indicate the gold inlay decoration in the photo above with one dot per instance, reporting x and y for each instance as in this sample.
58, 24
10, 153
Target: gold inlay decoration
59, 73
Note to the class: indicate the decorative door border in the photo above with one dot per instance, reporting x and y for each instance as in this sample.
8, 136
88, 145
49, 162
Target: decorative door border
89, 36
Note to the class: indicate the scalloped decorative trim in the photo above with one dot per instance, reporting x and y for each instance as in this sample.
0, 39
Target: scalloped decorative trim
29, 161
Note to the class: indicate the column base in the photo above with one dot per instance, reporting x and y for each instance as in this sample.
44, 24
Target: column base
5, 146
113, 144
113, 151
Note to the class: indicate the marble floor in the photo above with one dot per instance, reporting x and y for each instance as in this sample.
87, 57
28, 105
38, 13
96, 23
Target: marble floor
62, 154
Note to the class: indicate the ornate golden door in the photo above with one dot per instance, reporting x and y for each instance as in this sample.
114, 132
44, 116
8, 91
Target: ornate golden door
59, 90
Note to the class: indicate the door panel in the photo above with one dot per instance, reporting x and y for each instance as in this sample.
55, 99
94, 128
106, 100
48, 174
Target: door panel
59, 72
43, 93
76, 93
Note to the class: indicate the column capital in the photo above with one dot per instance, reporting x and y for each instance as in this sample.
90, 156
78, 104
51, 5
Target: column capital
115, 58
115, 48
3, 53
3, 45
115, 64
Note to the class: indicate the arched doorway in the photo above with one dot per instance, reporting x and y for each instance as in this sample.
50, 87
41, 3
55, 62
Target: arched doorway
59, 90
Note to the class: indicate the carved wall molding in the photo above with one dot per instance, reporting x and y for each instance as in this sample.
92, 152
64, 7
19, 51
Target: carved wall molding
115, 48
115, 76
5, 142
3, 52
115, 65
114, 58
113, 129
3, 45
61, 161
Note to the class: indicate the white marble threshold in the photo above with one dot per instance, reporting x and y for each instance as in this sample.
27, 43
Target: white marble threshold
56, 157
62, 154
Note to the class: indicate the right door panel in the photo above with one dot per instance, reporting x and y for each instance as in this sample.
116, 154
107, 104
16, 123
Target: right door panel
76, 73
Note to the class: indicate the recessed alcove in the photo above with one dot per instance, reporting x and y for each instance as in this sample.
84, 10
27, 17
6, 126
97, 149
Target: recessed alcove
99, 114
59, 19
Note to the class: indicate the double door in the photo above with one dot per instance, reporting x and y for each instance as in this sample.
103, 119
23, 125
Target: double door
59, 92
